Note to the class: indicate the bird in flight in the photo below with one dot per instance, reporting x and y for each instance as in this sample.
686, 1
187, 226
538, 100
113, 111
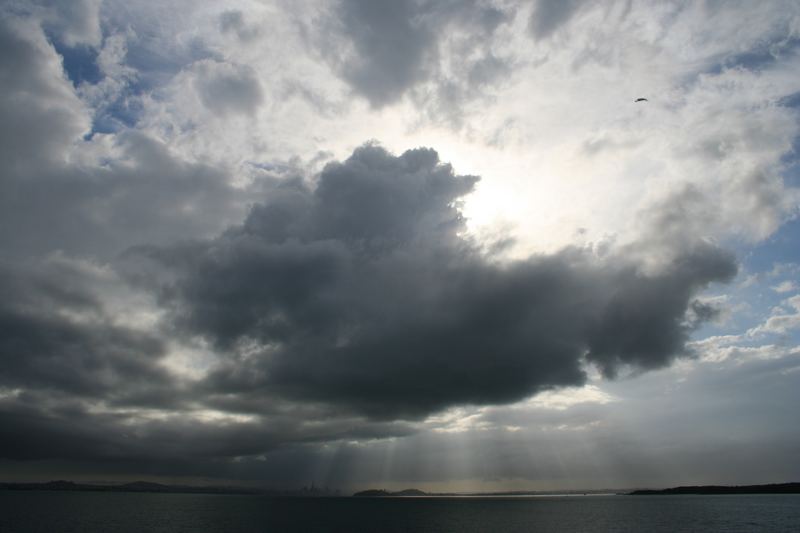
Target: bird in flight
640, 100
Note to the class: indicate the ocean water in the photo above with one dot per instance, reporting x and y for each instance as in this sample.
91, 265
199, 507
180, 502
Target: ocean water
95, 512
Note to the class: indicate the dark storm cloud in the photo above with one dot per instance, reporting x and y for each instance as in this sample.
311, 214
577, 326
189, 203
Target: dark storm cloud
362, 292
643, 322
395, 44
43, 426
55, 336
76, 381
146, 196
58, 338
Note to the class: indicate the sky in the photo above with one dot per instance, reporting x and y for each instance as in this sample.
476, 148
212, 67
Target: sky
400, 243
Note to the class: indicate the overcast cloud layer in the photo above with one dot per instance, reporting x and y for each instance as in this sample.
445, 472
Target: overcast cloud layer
369, 242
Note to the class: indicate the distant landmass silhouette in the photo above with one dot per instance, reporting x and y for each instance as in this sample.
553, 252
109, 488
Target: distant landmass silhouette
382, 493
775, 488
147, 486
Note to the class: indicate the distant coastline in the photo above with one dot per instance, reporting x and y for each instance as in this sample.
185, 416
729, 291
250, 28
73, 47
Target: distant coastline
381, 493
149, 487
146, 486
774, 488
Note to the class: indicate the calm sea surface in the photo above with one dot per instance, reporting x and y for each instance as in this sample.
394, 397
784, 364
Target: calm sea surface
90, 512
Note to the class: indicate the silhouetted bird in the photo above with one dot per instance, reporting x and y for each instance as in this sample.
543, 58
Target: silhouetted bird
640, 100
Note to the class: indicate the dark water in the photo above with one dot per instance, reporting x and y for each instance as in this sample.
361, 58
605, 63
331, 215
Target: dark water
88, 512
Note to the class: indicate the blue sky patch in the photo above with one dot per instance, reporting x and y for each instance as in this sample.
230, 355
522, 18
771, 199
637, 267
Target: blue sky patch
80, 63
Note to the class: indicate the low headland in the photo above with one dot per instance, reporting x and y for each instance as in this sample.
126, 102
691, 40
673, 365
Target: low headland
774, 488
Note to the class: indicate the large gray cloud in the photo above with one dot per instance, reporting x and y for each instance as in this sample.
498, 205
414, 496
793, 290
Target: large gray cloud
362, 291
78, 384
55, 336
40, 114
148, 195
36, 425
387, 48
392, 48
74, 22
52, 196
